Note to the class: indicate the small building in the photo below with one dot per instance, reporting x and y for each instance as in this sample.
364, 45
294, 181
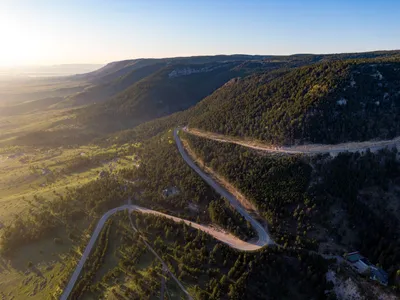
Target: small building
353, 257
363, 266
358, 262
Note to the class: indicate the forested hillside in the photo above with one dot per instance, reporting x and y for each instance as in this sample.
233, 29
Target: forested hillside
346, 202
358, 195
171, 85
276, 185
327, 102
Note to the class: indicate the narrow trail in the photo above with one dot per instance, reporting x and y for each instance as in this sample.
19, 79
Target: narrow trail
310, 149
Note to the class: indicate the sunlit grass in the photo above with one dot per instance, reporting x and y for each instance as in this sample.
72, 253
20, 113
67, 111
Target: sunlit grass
26, 172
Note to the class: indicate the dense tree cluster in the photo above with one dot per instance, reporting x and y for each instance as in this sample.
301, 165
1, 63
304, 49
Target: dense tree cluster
280, 188
162, 167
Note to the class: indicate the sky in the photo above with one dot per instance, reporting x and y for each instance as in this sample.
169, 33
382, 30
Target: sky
48, 32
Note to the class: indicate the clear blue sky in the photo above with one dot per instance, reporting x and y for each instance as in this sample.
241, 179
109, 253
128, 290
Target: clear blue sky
89, 31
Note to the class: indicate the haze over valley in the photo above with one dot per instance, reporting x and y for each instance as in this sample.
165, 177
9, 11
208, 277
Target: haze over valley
46, 71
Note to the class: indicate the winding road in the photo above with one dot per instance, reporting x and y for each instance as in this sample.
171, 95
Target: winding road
225, 237
222, 236
263, 236
88, 249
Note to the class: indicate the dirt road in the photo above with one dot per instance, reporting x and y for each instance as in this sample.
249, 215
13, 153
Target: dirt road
225, 237
263, 236
310, 149
222, 236
85, 255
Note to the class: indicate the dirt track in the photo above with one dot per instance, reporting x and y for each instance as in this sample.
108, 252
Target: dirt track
303, 149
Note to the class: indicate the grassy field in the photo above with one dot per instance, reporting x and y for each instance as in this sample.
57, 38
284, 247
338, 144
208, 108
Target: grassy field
31, 176
28, 171
20, 280
24, 187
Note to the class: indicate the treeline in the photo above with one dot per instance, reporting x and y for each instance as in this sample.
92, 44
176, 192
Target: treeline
327, 102
86, 161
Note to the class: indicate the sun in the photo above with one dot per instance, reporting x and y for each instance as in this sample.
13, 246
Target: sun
20, 44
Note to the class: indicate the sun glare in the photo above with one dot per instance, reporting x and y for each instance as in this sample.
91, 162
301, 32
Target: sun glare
20, 43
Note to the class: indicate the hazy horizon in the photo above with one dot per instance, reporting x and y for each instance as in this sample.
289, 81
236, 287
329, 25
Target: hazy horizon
47, 71
101, 64
41, 32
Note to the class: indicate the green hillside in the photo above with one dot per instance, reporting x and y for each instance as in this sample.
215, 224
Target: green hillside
29, 106
104, 91
329, 102
158, 95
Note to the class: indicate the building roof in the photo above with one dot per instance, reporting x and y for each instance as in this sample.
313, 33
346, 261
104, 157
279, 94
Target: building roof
366, 261
376, 273
353, 257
